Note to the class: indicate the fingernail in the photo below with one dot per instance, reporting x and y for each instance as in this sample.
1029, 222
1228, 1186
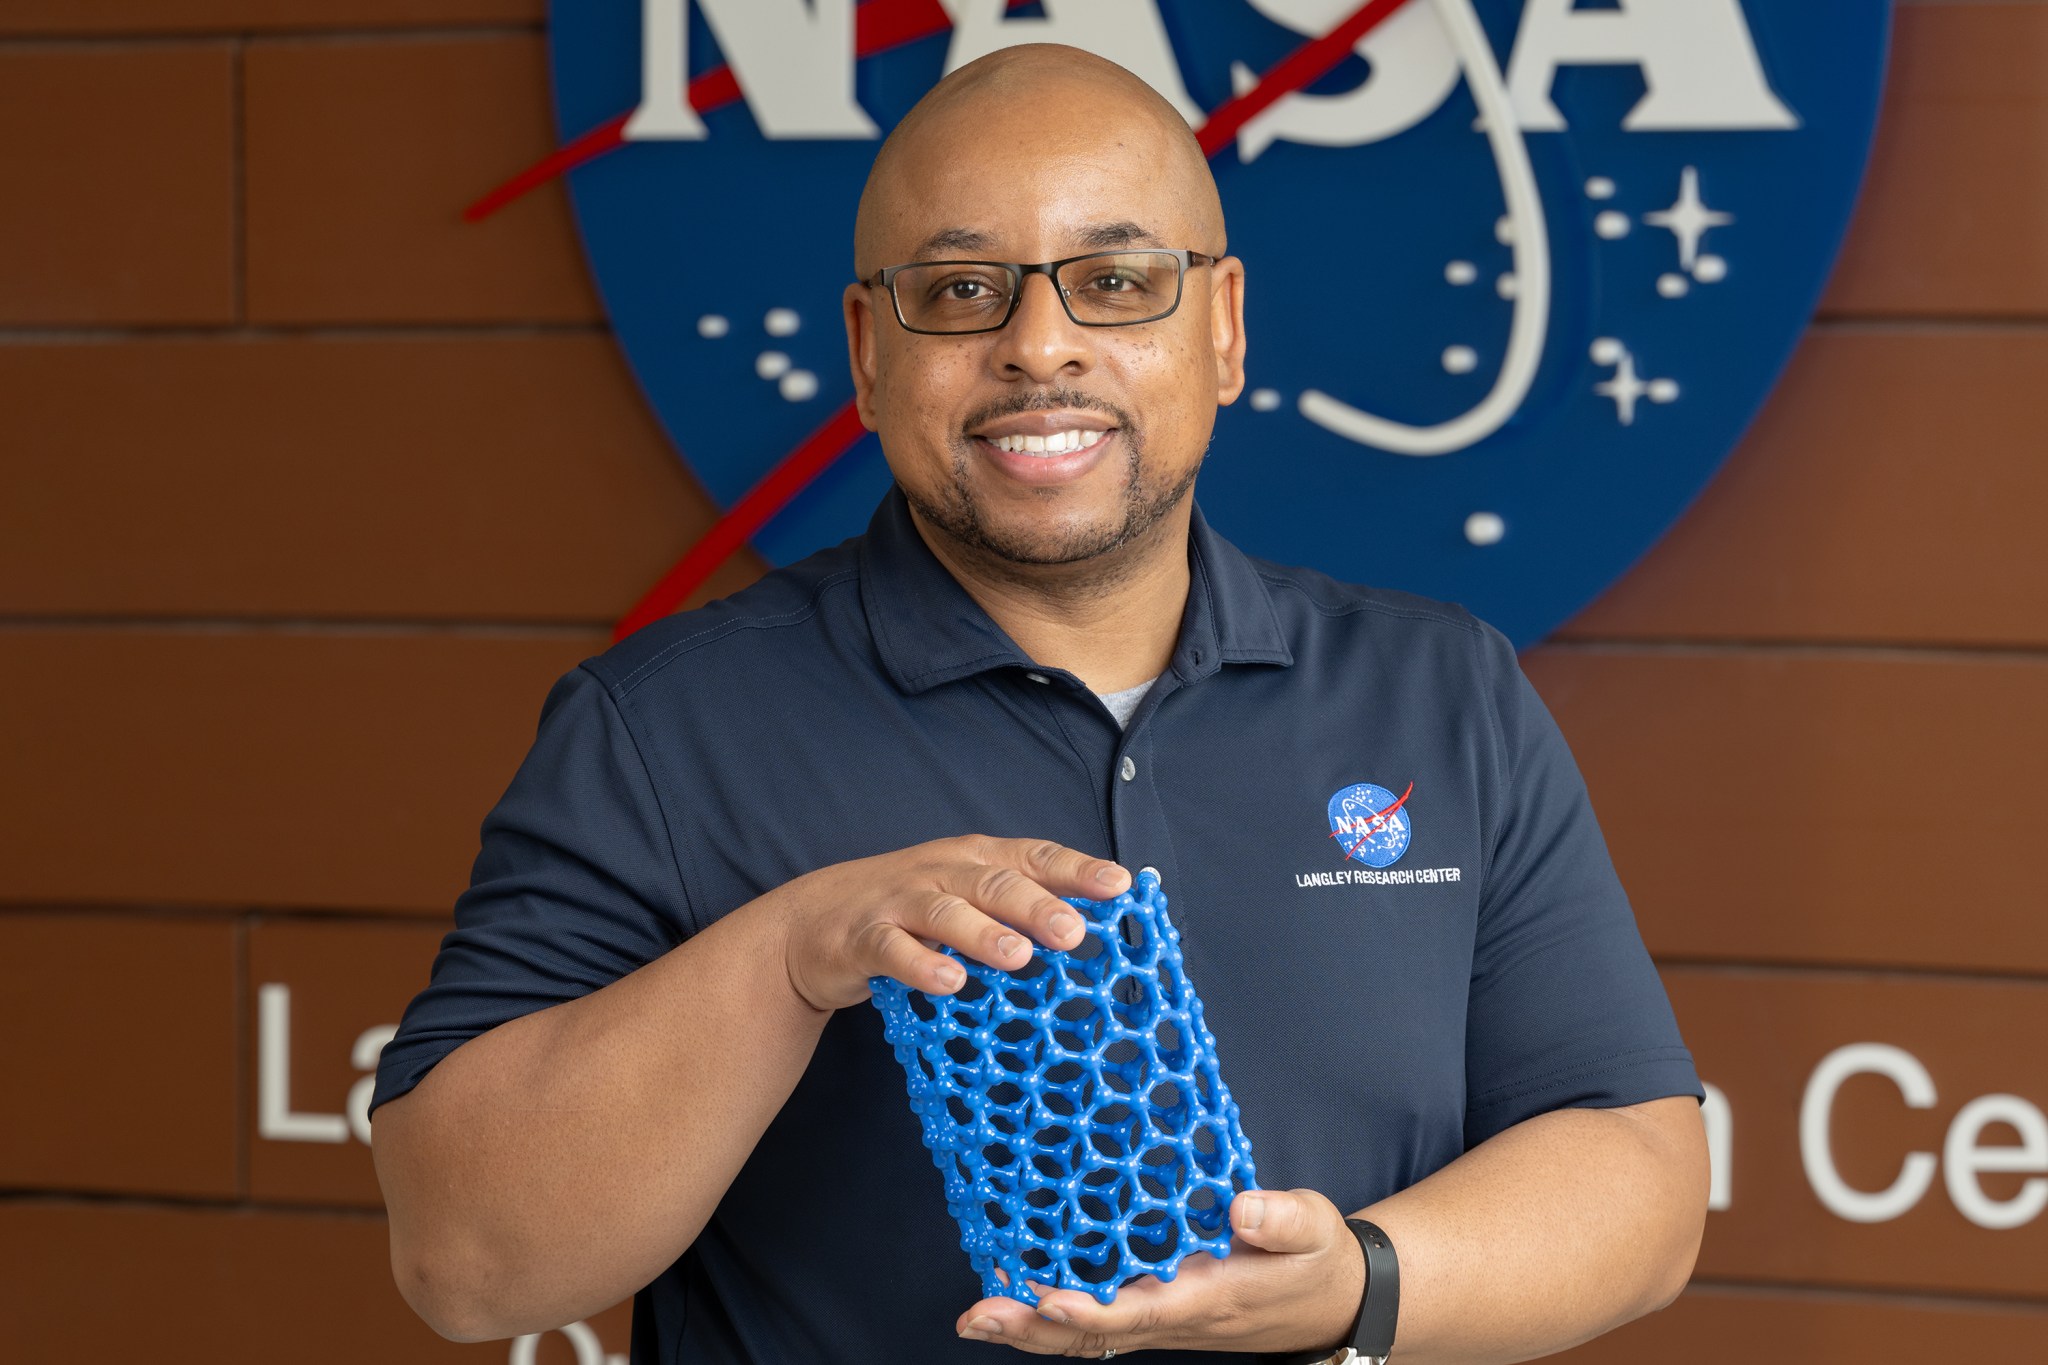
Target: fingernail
1008, 944
1055, 1313
986, 1325
1110, 876
1254, 1211
952, 977
1063, 924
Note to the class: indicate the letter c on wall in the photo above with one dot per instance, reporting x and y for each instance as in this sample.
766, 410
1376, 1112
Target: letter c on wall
1816, 1150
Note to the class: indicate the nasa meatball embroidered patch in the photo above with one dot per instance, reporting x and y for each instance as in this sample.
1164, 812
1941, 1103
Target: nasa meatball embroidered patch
1370, 825
1519, 272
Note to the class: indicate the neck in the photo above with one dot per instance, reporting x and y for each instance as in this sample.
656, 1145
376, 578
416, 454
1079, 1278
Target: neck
1111, 621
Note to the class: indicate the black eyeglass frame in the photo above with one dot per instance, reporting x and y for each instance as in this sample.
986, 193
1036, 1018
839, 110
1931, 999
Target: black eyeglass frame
885, 278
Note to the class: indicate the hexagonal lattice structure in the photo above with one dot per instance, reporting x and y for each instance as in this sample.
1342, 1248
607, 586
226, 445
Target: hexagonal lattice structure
1075, 1106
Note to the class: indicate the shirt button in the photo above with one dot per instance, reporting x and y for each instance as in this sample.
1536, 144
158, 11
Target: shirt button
1129, 768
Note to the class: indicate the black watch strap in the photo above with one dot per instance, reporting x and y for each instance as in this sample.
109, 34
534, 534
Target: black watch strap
1372, 1336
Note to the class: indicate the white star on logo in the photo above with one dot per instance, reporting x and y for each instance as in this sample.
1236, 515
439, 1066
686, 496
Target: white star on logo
1689, 218
1625, 388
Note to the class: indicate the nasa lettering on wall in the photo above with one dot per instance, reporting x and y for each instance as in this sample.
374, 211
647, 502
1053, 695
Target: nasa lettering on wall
1519, 271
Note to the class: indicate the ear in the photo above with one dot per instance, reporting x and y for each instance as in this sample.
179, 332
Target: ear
858, 305
1226, 326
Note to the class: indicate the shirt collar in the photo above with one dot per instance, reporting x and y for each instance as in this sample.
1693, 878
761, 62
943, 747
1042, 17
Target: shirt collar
929, 631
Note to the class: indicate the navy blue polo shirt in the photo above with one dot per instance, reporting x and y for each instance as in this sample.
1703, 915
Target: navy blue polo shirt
1377, 1012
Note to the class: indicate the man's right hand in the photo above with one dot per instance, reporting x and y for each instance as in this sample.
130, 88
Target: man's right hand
886, 915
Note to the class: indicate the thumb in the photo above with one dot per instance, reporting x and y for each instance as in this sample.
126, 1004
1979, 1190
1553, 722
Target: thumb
1285, 1220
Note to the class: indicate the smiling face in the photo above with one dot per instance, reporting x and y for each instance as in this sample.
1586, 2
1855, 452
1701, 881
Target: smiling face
1046, 443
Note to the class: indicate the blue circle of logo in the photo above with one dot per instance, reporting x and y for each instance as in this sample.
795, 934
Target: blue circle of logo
1521, 271
1371, 824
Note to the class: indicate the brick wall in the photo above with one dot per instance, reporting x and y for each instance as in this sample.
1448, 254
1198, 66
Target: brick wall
309, 491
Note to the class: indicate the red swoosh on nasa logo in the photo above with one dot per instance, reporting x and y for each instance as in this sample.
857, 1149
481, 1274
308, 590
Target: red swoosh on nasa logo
1379, 818
899, 19
746, 516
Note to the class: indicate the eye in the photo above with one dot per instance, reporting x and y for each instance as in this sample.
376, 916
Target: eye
963, 287
1114, 280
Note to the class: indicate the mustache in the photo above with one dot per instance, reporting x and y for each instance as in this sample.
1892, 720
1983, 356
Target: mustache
1046, 400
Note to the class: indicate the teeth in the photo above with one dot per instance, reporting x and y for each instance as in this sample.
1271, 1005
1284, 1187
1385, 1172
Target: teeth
1059, 443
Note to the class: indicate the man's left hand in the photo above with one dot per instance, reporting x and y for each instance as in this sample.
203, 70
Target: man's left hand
1292, 1282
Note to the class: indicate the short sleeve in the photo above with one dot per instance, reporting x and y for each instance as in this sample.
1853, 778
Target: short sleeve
575, 886
1566, 1008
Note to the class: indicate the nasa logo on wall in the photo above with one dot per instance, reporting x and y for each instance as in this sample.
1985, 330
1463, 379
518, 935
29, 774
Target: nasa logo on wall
1520, 271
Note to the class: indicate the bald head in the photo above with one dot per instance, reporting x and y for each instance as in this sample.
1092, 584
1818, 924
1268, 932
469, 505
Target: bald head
1033, 103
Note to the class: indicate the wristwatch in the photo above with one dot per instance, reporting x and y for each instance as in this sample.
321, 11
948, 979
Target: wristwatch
1372, 1335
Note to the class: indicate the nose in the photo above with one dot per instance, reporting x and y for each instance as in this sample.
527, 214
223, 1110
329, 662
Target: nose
1041, 343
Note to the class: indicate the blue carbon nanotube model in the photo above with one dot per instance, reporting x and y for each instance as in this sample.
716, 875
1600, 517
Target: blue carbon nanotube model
1075, 1106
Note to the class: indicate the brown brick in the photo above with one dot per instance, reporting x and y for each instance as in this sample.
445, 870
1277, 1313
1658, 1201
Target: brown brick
123, 1052
341, 980
1801, 808
361, 157
54, 17
1888, 493
479, 478
1759, 1038
110, 1283
1952, 220
1711, 1325
282, 768
119, 205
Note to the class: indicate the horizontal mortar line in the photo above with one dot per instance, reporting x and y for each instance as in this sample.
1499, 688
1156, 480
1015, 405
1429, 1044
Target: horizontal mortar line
342, 35
154, 910
1931, 324
223, 913
216, 1203
328, 35
1866, 1294
228, 332
1835, 967
1886, 650
443, 918
527, 629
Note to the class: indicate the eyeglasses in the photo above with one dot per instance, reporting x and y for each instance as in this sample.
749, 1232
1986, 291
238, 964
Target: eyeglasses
1101, 289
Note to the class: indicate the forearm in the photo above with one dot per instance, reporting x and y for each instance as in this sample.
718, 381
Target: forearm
1564, 1226
554, 1165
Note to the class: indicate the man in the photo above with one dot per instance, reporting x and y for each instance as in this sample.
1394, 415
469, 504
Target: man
1039, 655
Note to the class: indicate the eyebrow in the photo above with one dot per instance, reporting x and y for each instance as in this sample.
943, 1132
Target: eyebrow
1094, 237
1105, 236
950, 239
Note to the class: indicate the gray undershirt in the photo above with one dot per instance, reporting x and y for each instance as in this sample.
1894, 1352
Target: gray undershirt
1123, 705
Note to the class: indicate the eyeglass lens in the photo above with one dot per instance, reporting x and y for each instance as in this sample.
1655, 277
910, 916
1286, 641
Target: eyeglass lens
1106, 290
